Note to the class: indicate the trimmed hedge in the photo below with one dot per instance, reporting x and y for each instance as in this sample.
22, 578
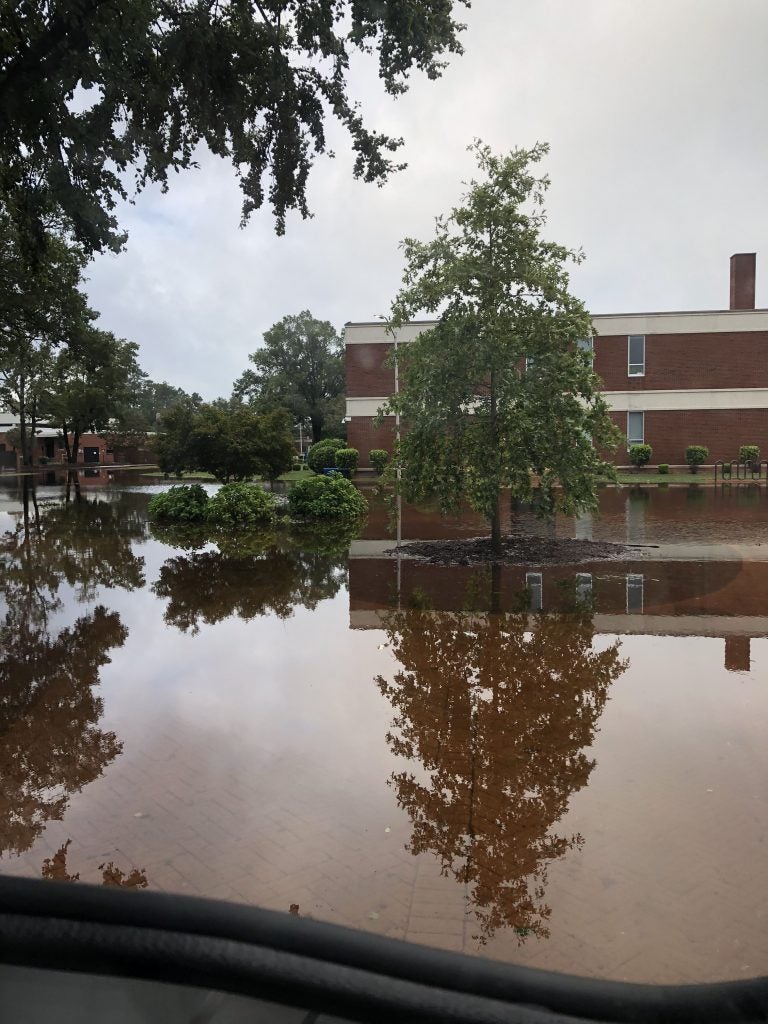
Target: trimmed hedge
640, 454
347, 458
185, 504
663, 468
323, 454
695, 456
749, 453
378, 458
326, 497
241, 504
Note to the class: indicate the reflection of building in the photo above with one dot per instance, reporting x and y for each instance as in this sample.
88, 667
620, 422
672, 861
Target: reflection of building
671, 379
667, 598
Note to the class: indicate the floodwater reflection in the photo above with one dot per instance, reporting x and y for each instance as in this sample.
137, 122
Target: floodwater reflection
50, 742
249, 575
497, 711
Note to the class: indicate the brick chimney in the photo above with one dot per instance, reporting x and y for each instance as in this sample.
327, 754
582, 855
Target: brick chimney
743, 280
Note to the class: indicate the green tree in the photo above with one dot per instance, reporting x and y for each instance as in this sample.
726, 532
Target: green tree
254, 80
498, 394
238, 444
301, 368
41, 305
91, 382
173, 443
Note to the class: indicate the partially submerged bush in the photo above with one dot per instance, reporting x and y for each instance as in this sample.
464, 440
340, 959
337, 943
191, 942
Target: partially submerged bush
241, 504
323, 454
326, 497
378, 458
640, 454
664, 468
185, 504
695, 456
749, 453
347, 458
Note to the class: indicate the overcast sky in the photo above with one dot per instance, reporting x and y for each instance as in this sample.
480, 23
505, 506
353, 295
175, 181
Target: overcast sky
657, 115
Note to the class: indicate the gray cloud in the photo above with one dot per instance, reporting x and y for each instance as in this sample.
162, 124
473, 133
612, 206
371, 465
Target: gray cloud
656, 115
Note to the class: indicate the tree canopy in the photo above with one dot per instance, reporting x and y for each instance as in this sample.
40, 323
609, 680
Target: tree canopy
92, 89
499, 393
232, 443
300, 368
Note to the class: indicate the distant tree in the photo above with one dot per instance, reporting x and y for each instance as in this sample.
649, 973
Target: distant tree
255, 81
41, 306
300, 368
498, 394
232, 443
90, 384
151, 400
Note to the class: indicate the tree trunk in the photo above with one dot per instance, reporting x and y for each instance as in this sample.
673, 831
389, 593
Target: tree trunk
67, 448
317, 428
495, 588
496, 547
75, 445
23, 423
33, 428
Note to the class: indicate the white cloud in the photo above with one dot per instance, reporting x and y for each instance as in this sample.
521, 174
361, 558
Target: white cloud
656, 114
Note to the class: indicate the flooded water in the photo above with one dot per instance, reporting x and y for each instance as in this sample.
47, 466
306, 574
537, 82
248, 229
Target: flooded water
577, 782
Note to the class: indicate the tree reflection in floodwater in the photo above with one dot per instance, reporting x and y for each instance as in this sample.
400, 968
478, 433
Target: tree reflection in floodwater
251, 573
497, 709
55, 869
50, 743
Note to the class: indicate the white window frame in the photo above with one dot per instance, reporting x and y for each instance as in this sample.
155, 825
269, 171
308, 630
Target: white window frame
630, 371
636, 585
587, 345
534, 581
631, 440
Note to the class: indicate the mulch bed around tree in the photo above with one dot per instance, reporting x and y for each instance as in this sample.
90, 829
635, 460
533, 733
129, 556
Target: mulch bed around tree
517, 551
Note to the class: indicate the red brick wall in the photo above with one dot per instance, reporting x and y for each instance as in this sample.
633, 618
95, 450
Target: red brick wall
362, 434
366, 377
720, 430
723, 360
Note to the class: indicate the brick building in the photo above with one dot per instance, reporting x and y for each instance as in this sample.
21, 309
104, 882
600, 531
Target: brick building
670, 379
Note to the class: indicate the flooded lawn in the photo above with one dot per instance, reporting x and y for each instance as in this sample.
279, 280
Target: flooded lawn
576, 780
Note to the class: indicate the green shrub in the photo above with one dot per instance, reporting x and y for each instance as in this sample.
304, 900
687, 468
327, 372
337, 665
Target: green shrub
241, 504
695, 455
323, 454
664, 468
640, 454
185, 504
749, 453
378, 458
326, 497
347, 458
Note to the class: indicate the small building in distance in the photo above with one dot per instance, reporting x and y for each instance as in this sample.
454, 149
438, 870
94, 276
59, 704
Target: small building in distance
49, 448
670, 379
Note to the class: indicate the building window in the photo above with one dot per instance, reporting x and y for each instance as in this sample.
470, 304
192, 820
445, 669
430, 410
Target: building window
635, 428
535, 584
530, 363
635, 594
587, 345
636, 355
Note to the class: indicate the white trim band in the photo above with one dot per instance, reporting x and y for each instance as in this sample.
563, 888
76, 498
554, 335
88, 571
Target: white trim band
728, 320
700, 399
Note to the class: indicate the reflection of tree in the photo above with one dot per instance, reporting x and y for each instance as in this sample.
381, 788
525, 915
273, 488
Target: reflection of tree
55, 868
498, 709
252, 574
85, 544
50, 746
